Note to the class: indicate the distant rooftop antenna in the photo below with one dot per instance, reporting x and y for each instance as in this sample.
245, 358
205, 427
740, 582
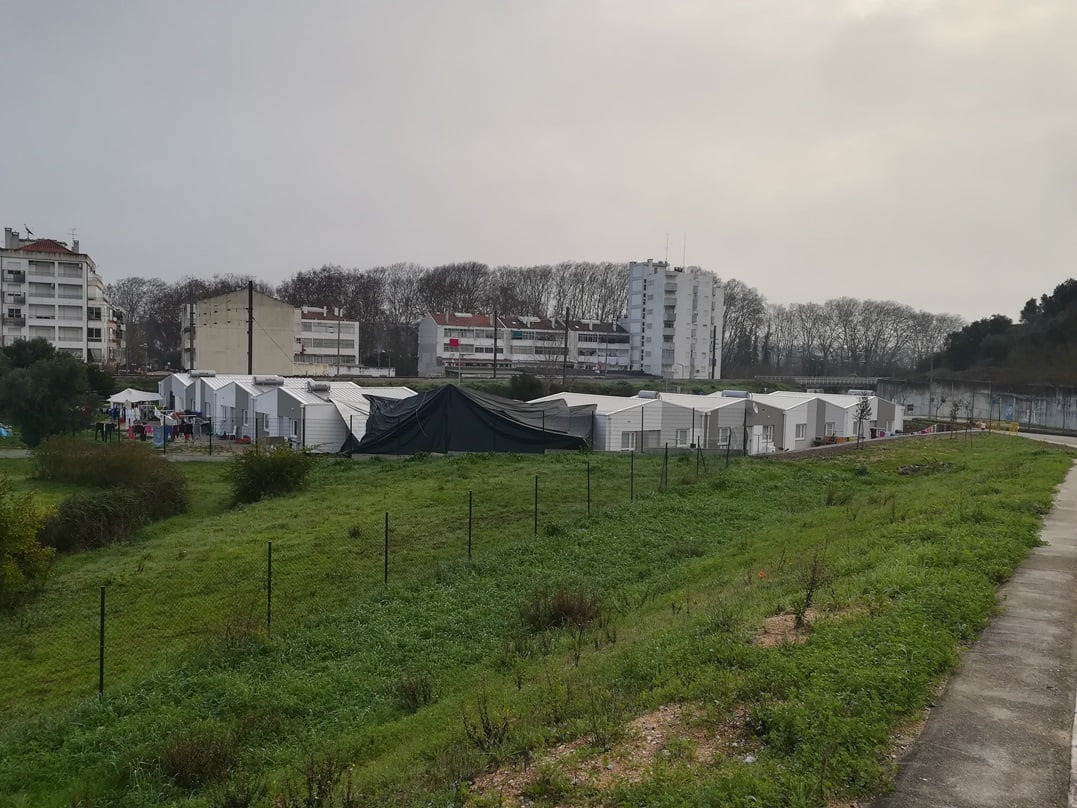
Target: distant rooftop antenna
667, 248
684, 252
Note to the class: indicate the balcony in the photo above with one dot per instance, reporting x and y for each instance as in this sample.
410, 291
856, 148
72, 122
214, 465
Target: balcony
17, 300
16, 321
14, 276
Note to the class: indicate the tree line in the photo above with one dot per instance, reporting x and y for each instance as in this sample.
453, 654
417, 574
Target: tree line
1040, 347
759, 338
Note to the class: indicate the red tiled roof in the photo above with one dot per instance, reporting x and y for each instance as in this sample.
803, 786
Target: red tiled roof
47, 245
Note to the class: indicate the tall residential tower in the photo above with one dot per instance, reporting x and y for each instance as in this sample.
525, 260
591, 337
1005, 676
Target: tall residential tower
674, 321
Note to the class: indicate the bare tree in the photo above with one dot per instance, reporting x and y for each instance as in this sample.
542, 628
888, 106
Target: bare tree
744, 309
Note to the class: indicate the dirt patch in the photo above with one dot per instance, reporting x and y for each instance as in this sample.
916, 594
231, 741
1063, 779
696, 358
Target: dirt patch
782, 629
674, 732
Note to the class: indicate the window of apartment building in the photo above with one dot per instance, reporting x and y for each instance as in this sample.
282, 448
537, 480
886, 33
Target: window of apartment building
44, 331
93, 334
93, 313
70, 270
667, 338
42, 269
69, 312
14, 312
42, 290
69, 291
628, 441
802, 431
828, 428
71, 334
908, 409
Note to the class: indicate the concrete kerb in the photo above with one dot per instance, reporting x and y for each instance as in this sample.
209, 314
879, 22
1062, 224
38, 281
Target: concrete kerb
1000, 735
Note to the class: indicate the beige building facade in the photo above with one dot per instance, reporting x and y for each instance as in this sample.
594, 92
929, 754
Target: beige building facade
285, 340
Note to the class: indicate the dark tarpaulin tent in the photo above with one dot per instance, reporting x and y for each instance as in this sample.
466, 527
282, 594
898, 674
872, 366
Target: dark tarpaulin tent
455, 419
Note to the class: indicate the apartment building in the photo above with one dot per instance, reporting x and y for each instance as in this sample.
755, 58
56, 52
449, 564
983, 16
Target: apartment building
463, 343
51, 291
674, 321
283, 339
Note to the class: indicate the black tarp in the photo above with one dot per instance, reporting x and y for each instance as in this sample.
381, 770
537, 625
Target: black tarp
455, 419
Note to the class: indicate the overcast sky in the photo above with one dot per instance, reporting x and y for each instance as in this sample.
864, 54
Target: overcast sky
919, 151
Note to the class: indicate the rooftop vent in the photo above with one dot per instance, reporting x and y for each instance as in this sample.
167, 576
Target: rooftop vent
201, 374
734, 394
318, 387
268, 381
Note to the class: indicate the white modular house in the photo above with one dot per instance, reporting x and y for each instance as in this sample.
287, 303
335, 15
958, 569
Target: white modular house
715, 421
779, 423
235, 402
177, 392
300, 416
208, 386
625, 424
840, 414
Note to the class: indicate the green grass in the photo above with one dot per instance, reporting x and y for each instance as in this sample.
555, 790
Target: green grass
686, 576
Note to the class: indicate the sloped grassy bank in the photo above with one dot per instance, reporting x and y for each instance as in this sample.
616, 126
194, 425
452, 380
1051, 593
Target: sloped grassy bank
402, 695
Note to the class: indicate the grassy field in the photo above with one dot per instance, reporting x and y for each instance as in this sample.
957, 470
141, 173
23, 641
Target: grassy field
403, 693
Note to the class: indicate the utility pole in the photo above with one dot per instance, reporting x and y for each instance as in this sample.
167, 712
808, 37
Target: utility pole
714, 347
495, 343
250, 328
339, 323
190, 326
564, 364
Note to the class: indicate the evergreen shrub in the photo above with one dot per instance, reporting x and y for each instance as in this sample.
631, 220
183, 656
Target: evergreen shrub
260, 473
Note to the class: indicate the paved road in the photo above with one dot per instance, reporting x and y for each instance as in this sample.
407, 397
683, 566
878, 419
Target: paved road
1002, 733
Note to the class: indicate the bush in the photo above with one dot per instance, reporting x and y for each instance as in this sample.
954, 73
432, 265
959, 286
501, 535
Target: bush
73, 460
564, 606
24, 562
260, 473
139, 486
198, 756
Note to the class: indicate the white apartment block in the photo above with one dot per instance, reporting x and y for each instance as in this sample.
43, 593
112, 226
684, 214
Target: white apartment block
50, 291
463, 343
284, 340
674, 321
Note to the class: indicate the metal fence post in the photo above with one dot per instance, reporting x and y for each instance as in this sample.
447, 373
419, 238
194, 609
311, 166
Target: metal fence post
632, 475
536, 504
386, 574
269, 588
588, 487
664, 484
211, 437
101, 651
469, 512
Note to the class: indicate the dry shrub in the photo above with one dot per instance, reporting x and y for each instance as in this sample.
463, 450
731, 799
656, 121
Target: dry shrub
575, 607
201, 755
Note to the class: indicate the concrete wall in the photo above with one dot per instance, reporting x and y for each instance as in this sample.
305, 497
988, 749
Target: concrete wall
220, 342
1039, 405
